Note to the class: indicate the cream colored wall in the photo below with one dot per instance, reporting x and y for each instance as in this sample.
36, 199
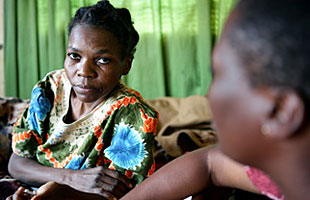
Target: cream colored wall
1, 49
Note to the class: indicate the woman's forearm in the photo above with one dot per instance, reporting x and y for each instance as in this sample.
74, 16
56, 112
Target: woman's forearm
186, 175
191, 174
31, 172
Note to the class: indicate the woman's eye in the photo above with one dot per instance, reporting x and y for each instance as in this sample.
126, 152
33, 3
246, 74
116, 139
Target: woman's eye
103, 61
74, 56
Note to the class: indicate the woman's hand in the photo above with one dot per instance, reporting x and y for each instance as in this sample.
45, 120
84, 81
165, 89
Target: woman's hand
54, 191
49, 191
19, 195
100, 180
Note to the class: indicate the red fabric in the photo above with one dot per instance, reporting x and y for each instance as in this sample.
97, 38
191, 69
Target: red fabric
264, 184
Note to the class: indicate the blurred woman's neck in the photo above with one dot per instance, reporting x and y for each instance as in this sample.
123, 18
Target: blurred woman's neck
291, 168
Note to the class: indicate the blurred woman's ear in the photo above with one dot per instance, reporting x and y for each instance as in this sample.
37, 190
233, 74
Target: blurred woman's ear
286, 117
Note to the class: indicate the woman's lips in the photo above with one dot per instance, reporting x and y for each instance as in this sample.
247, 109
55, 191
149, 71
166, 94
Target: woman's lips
84, 89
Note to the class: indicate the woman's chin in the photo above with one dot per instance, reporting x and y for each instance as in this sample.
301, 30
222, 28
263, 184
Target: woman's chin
87, 99
87, 96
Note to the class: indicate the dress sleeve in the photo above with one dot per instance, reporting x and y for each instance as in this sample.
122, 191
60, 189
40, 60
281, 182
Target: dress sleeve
131, 147
30, 130
264, 183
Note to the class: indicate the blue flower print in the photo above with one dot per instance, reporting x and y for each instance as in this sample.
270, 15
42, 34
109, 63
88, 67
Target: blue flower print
75, 163
39, 107
127, 149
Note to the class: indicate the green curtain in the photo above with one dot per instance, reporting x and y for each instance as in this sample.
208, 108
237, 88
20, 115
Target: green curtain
172, 58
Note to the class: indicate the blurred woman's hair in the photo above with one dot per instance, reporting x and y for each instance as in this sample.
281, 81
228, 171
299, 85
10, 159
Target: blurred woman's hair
272, 39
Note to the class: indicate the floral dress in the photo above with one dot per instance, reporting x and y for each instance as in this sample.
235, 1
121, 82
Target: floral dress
118, 133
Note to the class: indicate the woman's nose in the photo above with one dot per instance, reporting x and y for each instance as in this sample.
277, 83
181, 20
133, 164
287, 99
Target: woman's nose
86, 69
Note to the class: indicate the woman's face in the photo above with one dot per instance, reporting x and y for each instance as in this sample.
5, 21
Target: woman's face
93, 63
237, 107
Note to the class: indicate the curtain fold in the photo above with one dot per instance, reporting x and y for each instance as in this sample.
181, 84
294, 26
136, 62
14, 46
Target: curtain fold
172, 57
10, 48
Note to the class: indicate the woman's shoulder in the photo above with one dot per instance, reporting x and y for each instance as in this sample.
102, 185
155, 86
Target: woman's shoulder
55, 80
133, 98
48, 83
55, 76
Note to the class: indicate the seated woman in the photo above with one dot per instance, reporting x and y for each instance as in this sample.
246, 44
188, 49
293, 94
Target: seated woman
84, 127
260, 102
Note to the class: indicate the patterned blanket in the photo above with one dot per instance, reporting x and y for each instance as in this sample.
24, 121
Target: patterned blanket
10, 110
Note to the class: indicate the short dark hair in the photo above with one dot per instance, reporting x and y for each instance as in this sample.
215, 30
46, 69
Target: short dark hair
272, 38
116, 20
